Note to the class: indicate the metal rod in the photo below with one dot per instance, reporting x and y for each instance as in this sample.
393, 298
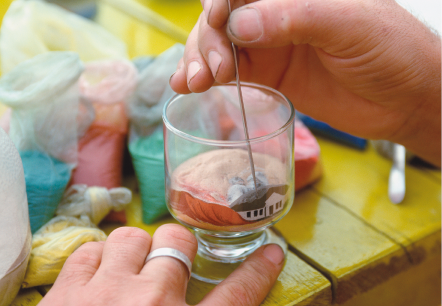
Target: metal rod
243, 112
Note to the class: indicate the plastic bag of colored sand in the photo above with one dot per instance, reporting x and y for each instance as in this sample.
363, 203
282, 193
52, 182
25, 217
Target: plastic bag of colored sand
146, 144
44, 97
107, 85
53, 244
148, 160
46, 180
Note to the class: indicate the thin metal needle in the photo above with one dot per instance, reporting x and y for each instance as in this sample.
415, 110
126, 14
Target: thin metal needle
243, 113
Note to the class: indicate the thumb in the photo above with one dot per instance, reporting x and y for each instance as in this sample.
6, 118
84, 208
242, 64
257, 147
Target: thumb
251, 281
335, 24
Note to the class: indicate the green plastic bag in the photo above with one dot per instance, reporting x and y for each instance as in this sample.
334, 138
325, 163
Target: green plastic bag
146, 143
148, 160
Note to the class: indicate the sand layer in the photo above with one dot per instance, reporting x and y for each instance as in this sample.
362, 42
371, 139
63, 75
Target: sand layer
200, 185
207, 175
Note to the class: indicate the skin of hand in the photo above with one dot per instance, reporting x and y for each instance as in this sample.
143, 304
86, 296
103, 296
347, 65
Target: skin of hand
114, 272
366, 67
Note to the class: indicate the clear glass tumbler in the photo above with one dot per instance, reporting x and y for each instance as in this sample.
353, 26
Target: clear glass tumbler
209, 183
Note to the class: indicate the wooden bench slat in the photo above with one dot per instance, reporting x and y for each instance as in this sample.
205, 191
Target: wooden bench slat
352, 253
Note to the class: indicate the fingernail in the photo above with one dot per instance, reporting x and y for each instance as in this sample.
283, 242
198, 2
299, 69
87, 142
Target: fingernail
215, 60
207, 8
245, 24
170, 79
180, 66
274, 253
192, 69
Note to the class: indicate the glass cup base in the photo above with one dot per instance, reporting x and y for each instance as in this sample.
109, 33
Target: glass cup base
218, 257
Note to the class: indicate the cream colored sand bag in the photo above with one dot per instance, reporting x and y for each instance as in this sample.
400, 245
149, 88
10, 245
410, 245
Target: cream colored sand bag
15, 233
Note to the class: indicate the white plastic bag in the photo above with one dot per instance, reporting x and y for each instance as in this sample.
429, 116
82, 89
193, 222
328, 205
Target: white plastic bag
44, 97
34, 27
15, 234
94, 202
145, 108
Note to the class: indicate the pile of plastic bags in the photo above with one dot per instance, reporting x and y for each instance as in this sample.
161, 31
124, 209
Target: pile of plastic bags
67, 107
66, 82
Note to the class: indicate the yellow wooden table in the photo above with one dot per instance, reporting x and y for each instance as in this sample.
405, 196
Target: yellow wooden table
348, 245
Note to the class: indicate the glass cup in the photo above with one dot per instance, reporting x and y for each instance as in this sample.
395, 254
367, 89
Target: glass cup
209, 183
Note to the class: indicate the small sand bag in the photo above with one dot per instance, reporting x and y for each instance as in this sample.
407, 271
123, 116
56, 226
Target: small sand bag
94, 202
107, 84
146, 144
52, 245
43, 95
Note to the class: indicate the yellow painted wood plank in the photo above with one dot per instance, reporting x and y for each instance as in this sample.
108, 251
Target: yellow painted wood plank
358, 181
418, 286
354, 255
298, 284
435, 173
142, 39
27, 297
4, 5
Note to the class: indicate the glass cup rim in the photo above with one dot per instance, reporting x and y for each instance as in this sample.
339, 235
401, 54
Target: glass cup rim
230, 143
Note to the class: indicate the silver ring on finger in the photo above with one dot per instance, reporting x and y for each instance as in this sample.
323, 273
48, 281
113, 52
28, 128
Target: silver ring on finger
174, 253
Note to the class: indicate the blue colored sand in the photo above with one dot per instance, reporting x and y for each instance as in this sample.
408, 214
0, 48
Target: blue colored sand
46, 180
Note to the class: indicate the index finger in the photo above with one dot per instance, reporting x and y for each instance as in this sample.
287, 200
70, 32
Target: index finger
217, 11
